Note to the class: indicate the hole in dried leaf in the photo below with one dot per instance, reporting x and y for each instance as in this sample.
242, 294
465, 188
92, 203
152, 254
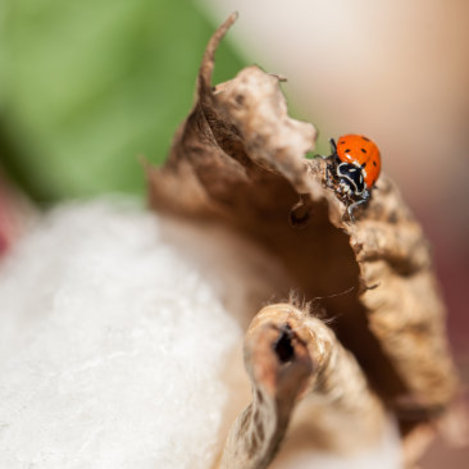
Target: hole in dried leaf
300, 215
283, 347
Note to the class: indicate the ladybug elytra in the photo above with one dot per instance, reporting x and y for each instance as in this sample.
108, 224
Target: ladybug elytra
353, 168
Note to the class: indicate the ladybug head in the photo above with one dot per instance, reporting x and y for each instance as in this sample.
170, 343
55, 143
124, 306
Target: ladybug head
351, 179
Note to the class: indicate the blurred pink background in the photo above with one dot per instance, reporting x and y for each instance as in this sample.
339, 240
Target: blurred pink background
397, 71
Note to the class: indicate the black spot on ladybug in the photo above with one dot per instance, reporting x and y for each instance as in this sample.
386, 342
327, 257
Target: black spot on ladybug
341, 143
346, 151
374, 163
363, 150
364, 165
366, 139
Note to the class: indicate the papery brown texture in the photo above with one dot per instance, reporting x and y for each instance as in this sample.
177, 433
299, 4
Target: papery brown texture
240, 159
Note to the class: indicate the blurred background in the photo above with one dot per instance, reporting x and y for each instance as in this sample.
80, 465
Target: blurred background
88, 87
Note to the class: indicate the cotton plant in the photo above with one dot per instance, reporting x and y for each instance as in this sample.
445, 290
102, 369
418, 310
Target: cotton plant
243, 322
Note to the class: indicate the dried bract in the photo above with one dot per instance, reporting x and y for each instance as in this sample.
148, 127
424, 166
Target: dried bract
240, 159
291, 356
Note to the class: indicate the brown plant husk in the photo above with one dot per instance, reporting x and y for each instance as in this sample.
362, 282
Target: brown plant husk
240, 159
291, 356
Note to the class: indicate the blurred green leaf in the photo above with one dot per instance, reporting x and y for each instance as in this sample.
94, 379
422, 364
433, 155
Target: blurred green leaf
86, 87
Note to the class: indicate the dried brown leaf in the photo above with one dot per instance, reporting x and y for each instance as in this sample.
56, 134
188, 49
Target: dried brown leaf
240, 159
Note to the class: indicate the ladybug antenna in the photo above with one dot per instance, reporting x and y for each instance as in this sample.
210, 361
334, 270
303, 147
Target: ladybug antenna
333, 145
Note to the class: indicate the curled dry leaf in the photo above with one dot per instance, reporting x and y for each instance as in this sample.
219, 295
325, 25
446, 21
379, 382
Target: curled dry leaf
240, 159
290, 355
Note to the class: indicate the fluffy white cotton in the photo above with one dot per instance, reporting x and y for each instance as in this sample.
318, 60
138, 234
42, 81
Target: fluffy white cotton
112, 347
117, 337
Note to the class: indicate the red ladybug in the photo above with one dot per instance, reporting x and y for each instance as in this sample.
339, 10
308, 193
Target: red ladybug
354, 167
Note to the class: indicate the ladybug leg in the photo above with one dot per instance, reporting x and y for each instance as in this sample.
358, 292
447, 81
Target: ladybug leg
329, 175
365, 198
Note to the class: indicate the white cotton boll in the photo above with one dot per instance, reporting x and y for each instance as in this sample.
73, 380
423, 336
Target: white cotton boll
112, 347
120, 343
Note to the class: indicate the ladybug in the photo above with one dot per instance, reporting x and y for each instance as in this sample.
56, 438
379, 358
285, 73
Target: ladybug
353, 168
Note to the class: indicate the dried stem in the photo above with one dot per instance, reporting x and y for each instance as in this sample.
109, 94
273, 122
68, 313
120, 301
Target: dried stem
291, 356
